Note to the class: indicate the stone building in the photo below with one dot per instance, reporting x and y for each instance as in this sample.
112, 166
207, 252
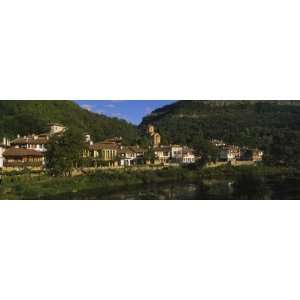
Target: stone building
155, 136
55, 128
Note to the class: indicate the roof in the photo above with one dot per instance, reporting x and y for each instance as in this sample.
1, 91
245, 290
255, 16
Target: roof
125, 150
131, 149
102, 145
21, 152
29, 140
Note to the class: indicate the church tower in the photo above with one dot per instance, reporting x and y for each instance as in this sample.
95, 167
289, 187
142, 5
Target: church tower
155, 136
151, 130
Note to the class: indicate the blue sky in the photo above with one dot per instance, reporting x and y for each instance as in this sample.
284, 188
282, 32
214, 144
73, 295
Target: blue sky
130, 110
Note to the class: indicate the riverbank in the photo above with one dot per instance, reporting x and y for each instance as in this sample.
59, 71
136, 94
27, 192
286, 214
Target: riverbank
42, 186
232, 182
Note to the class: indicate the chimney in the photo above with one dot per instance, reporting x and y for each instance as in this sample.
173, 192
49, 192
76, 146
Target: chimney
4, 141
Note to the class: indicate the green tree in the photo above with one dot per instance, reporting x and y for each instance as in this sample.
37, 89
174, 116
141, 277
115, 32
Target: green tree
149, 155
64, 152
206, 151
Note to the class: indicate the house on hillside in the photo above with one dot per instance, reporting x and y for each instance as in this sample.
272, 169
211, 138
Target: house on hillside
188, 156
20, 158
104, 154
162, 154
55, 128
38, 142
176, 153
131, 155
230, 153
34, 142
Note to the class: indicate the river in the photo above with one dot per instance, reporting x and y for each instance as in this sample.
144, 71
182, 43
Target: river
213, 189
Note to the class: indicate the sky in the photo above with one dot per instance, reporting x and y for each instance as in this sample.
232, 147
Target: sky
130, 110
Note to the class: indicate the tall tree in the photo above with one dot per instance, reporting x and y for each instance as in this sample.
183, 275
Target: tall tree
64, 152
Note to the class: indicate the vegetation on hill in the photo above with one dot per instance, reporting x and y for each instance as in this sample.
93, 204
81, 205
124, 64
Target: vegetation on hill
273, 126
25, 117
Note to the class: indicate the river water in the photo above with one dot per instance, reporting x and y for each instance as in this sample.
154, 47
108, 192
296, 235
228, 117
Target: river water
213, 189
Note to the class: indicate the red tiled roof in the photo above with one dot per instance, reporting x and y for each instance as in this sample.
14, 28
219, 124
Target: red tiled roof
21, 152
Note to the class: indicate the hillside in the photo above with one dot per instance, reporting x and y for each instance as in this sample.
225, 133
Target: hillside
24, 117
250, 123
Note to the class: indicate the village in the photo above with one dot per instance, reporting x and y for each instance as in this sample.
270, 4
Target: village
28, 152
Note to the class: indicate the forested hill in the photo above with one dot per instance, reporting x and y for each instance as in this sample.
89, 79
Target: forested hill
24, 117
251, 123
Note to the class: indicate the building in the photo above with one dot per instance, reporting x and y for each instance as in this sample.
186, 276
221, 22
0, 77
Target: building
20, 158
162, 154
55, 128
34, 142
104, 154
131, 155
3, 146
188, 156
176, 153
155, 136
230, 153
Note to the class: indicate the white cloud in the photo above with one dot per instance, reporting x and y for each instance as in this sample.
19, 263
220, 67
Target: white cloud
87, 107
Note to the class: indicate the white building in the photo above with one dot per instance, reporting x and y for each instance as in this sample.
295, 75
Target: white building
176, 153
163, 154
34, 142
229, 153
56, 128
188, 156
3, 146
131, 155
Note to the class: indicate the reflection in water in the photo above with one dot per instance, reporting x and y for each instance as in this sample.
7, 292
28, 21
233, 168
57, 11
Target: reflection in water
212, 189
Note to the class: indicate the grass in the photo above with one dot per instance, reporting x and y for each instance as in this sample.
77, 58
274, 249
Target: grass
42, 186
